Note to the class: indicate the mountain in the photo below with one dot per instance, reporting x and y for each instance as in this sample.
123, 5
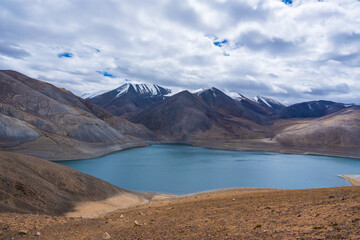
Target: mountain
130, 99
237, 106
252, 105
269, 103
36, 116
223, 104
92, 94
335, 134
180, 115
33, 185
311, 109
187, 116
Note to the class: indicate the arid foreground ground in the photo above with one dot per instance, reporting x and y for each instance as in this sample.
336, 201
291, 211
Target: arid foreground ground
332, 213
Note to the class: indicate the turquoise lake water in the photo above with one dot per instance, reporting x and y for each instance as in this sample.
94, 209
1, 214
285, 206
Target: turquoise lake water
182, 169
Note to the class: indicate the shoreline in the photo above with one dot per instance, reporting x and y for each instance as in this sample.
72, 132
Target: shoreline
90, 151
231, 145
124, 201
353, 179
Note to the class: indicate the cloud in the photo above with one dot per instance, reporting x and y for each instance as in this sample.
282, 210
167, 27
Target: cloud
290, 50
275, 46
13, 50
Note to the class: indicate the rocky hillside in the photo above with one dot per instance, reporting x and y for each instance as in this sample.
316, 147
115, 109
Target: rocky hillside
337, 131
36, 116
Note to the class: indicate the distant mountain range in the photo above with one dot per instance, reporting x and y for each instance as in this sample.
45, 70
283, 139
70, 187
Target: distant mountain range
37, 116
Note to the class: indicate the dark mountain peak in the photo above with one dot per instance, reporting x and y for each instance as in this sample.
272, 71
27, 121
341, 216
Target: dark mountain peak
311, 109
212, 93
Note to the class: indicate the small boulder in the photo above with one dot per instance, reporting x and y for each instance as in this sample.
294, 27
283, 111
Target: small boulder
137, 223
23, 232
106, 235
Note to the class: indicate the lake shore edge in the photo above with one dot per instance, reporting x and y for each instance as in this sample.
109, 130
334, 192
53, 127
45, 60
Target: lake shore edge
353, 179
251, 145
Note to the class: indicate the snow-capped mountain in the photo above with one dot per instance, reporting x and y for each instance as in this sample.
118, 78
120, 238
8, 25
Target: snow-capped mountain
129, 99
143, 89
268, 102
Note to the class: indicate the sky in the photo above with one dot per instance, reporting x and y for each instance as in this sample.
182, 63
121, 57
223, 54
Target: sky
291, 51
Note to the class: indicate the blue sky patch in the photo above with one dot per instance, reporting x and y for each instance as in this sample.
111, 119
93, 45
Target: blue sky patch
287, 1
221, 43
106, 74
65, 55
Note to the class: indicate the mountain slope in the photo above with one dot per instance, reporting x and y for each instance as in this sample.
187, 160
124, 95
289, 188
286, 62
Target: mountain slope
269, 103
33, 185
225, 105
37, 115
187, 117
311, 109
130, 99
339, 131
180, 115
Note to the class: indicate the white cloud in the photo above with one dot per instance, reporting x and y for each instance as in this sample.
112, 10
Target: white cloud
304, 51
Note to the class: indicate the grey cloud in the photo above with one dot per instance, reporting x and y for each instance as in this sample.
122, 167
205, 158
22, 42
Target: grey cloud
241, 11
352, 59
346, 38
13, 50
273, 45
273, 75
326, 90
181, 12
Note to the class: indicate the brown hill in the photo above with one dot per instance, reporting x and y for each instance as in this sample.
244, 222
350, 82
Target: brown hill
339, 131
33, 185
37, 116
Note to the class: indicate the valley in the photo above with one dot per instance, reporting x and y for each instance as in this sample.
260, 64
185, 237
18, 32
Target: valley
43, 199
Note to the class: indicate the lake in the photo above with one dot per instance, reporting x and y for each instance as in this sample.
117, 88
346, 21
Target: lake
182, 169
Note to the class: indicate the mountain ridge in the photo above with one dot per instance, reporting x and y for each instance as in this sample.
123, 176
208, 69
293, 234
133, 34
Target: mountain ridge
38, 116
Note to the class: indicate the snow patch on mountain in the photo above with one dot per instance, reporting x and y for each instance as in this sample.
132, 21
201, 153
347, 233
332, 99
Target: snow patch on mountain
143, 89
236, 96
93, 94
267, 101
123, 89
199, 91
